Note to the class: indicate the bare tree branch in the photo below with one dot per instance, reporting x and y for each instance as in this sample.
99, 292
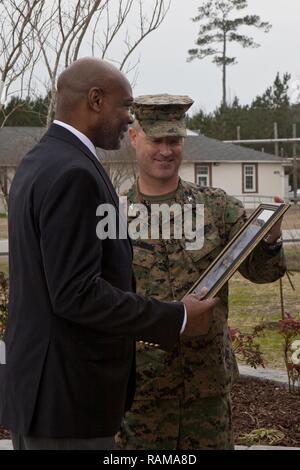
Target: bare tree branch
146, 25
89, 17
16, 38
56, 31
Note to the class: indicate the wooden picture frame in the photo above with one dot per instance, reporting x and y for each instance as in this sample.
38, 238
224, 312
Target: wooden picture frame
237, 250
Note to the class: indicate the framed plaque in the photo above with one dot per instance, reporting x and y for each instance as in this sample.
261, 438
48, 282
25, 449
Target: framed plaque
237, 250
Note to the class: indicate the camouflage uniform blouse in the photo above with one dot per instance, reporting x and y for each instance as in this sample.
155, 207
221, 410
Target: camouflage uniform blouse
203, 366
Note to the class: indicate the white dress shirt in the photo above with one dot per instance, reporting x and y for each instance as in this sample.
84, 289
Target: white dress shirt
82, 137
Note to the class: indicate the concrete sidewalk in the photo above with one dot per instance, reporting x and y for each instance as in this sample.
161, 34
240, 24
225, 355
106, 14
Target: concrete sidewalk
276, 376
3, 247
7, 445
291, 235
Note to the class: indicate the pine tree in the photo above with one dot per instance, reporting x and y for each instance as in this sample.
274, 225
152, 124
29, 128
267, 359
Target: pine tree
219, 28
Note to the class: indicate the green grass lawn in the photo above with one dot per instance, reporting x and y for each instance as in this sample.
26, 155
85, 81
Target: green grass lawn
3, 227
292, 218
292, 253
4, 264
250, 304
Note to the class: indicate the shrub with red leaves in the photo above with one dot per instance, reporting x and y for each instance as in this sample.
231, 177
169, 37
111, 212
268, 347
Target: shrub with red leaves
245, 348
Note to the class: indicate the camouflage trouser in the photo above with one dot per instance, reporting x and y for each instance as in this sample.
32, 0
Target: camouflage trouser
176, 425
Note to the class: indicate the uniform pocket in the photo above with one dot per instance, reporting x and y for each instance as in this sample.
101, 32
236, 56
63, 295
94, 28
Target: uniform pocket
203, 258
144, 257
143, 261
151, 271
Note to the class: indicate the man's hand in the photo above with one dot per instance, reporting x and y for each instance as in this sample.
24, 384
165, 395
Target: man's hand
275, 231
199, 314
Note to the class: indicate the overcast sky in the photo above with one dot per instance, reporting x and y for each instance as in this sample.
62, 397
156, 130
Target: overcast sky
163, 67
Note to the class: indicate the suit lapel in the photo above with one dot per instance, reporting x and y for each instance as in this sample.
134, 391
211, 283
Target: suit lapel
104, 177
60, 132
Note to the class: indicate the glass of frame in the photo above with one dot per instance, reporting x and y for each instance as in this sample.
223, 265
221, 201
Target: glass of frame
237, 250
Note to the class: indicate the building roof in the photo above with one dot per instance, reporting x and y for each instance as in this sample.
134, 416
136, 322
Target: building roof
15, 142
199, 148
213, 150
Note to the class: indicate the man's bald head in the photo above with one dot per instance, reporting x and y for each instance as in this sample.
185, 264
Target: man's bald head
75, 82
94, 97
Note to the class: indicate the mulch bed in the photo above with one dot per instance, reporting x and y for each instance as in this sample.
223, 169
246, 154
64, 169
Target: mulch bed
259, 406
4, 434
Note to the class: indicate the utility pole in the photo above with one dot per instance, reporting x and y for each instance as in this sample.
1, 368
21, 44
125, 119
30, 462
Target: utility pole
276, 137
295, 182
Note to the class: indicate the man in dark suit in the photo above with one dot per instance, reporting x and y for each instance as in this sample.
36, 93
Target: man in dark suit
73, 316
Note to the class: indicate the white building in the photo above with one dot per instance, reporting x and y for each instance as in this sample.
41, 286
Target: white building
250, 175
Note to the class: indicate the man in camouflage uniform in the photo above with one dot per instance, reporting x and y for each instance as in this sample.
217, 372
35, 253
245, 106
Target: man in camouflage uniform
182, 399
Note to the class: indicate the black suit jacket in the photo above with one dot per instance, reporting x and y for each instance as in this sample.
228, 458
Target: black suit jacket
73, 318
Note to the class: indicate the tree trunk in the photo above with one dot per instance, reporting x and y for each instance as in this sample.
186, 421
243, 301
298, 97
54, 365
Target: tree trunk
51, 107
2, 98
224, 99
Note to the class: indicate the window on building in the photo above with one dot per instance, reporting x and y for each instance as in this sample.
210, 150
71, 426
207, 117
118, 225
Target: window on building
249, 178
203, 174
